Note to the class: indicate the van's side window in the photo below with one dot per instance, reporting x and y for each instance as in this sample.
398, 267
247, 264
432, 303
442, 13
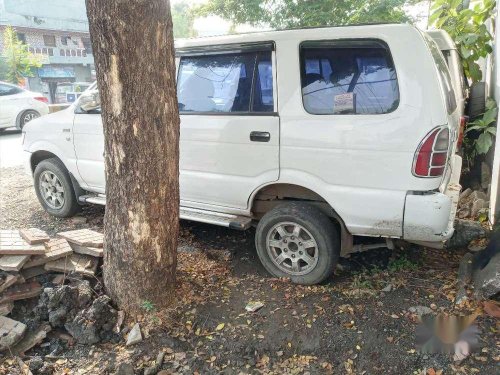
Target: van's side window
348, 78
223, 83
263, 90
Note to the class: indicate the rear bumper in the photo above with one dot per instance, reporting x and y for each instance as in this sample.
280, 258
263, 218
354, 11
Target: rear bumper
429, 216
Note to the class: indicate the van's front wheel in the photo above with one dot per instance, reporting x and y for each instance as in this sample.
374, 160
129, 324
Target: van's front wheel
298, 241
54, 189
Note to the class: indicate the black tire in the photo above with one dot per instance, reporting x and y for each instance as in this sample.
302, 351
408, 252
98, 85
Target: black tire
69, 207
321, 229
477, 100
27, 116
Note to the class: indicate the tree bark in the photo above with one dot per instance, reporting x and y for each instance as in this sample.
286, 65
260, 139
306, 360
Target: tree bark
134, 56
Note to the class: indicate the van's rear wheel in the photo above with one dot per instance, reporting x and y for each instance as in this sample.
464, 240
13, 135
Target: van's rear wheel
298, 241
54, 189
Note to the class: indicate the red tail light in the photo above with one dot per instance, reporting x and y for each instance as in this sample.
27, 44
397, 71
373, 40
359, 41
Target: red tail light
463, 123
41, 99
432, 154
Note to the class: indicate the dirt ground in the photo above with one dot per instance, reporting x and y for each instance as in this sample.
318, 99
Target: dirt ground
348, 325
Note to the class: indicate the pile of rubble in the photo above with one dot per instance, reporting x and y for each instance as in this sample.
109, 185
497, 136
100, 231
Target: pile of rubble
472, 204
61, 272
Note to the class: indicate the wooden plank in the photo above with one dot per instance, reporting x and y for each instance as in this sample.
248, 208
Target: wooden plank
83, 237
21, 291
86, 250
56, 248
13, 262
11, 243
34, 236
11, 331
76, 263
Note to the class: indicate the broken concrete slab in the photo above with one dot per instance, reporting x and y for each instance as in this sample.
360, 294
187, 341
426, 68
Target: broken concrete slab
83, 237
6, 280
134, 336
76, 263
31, 339
21, 291
11, 243
11, 332
13, 262
33, 272
56, 248
87, 250
34, 236
6, 308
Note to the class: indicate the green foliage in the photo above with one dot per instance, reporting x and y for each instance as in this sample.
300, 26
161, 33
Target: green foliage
486, 127
283, 14
401, 264
18, 61
467, 27
148, 306
182, 19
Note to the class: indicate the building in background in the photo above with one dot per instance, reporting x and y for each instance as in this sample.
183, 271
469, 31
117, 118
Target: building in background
58, 32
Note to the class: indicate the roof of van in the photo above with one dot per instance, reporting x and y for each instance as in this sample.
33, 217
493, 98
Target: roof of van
442, 38
274, 35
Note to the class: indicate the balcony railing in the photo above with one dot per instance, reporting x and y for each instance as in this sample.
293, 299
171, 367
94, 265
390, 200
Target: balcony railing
63, 55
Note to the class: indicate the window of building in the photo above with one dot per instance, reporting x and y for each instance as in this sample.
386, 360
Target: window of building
51, 52
87, 45
21, 37
349, 77
64, 40
223, 83
49, 40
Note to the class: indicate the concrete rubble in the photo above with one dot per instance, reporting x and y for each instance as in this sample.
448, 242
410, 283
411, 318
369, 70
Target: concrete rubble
480, 271
50, 286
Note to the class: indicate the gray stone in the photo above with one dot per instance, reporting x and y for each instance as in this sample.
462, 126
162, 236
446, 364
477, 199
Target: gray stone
464, 277
487, 280
478, 194
90, 324
465, 232
477, 205
124, 368
420, 310
35, 363
463, 213
464, 194
134, 335
153, 370
485, 175
388, 288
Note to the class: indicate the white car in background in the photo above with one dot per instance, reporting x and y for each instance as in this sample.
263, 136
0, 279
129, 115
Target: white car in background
19, 106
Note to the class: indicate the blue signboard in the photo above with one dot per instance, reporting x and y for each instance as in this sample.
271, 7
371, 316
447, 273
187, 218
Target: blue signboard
56, 72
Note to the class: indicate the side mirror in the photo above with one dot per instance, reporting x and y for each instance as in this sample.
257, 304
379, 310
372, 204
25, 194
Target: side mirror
89, 102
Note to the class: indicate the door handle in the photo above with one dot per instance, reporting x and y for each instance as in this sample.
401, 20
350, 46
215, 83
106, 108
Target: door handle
260, 136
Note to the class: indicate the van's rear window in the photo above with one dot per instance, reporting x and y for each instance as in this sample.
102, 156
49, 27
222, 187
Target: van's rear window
349, 77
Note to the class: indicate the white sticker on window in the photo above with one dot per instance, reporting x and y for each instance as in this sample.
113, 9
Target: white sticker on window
344, 103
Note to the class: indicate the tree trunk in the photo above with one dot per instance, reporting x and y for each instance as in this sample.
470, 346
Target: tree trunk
134, 56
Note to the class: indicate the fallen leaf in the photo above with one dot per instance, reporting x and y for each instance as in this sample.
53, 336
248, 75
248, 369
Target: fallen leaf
220, 327
492, 309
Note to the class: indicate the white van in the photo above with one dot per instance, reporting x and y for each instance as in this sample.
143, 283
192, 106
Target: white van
315, 136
